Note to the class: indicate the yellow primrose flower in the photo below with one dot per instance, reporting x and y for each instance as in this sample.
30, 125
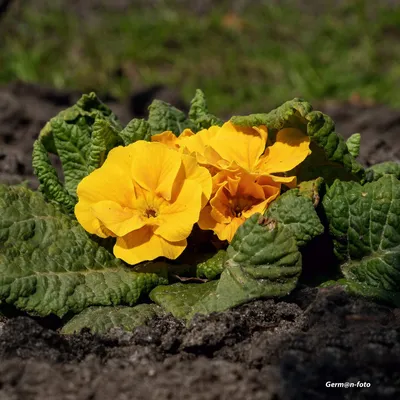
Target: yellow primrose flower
231, 147
246, 172
237, 197
146, 195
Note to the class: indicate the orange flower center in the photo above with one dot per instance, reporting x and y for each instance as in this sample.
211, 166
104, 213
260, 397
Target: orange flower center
150, 213
239, 205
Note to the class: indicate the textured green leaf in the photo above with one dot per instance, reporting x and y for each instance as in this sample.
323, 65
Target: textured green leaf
81, 136
364, 222
137, 129
353, 144
48, 264
164, 117
262, 260
212, 267
105, 136
330, 156
296, 211
50, 184
378, 170
199, 112
101, 320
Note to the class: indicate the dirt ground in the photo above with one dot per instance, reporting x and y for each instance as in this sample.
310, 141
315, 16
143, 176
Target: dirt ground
286, 349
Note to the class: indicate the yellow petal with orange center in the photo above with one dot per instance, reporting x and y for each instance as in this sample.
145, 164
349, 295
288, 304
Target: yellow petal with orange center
176, 220
240, 144
144, 245
223, 231
119, 220
291, 148
155, 167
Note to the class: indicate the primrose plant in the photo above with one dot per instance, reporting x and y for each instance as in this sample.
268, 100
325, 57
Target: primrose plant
189, 214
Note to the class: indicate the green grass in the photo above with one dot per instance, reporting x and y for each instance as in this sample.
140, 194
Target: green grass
276, 54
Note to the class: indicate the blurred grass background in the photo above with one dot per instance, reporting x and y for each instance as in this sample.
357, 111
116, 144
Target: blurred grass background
247, 56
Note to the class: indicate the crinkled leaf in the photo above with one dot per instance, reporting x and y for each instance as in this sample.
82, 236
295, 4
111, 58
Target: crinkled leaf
262, 260
88, 106
353, 144
105, 136
296, 211
330, 156
137, 129
164, 117
101, 320
212, 267
364, 222
50, 184
81, 136
48, 264
199, 112
378, 170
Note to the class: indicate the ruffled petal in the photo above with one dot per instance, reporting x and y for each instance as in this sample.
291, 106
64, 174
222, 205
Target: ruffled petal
240, 144
176, 220
290, 149
119, 220
155, 167
201, 175
89, 222
168, 138
144, 245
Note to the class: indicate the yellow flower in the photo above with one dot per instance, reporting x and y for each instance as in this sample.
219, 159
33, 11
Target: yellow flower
148, 197
247, 174
237, 197
231, 147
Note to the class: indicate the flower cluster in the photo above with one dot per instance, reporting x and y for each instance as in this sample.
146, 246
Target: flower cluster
150, 194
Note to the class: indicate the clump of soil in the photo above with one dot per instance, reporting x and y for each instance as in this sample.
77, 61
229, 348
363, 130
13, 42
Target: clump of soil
271, 349
262, 350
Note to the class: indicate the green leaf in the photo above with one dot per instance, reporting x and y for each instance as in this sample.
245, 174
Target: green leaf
330, 156
212, 267
295, 210
73, 147
101, 320
137, 129
164, 117
378, 170
364, 222
49, 265
353, 144
105, 136
263, 260
50, 184
199, 112
81, 136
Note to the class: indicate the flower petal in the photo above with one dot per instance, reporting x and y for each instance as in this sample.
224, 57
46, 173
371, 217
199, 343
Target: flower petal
195, 172
155, 167
240, 144
168, 138
111, 181
291, 148
120, 220
90, 223
198, 142
176, 220
143, 245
